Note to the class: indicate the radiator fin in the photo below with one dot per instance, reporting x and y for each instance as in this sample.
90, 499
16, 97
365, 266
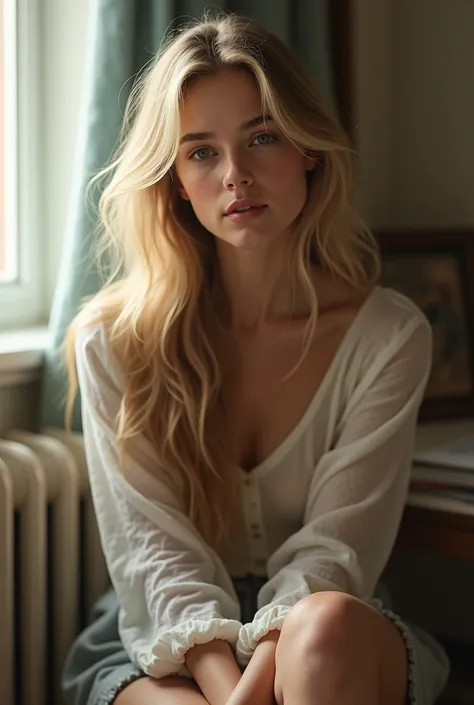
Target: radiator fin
44, 475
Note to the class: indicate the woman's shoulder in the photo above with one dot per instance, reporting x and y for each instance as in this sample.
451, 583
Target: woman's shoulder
375, 307
390, 325
95, 325
94, 351
391, 313
92, 338
391, 334
376, 321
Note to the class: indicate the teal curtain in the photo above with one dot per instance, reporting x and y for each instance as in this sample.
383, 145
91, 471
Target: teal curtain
123, 36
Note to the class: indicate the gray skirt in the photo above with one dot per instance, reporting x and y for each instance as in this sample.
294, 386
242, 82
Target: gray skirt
98, 667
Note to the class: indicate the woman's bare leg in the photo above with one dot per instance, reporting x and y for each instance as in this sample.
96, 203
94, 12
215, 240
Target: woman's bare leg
334, 648
166, 691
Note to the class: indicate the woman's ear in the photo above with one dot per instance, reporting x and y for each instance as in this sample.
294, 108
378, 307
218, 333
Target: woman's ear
178, 185
181, 190
312, 159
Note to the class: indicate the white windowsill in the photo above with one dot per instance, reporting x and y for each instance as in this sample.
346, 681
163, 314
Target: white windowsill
21, 355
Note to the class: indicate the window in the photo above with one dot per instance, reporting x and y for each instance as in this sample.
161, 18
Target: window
21, 299
8, 196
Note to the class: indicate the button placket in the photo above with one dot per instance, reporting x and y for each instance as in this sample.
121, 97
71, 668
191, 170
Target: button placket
254, 524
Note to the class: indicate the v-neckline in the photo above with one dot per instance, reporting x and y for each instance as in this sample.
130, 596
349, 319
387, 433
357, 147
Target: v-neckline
291, 438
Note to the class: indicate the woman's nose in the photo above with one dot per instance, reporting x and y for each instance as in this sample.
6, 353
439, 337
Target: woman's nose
237, 174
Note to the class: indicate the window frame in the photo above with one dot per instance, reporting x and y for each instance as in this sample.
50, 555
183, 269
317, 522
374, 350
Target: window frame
23, 301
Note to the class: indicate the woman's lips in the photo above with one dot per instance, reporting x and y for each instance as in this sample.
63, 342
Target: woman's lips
247, 215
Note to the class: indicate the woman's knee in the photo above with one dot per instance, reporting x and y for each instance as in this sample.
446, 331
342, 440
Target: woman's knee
342, 642
326, 621
323, 637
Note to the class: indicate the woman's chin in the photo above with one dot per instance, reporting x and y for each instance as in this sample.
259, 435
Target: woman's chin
248, 239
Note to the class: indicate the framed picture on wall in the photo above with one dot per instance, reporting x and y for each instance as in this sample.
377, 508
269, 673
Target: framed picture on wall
436, 270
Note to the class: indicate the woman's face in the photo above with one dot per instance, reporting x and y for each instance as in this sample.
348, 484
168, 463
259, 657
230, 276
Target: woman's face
228, 153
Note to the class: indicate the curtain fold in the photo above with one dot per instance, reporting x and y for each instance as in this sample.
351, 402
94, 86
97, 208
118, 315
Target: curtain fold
123, 36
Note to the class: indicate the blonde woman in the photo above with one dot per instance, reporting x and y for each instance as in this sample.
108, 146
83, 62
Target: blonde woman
249, 396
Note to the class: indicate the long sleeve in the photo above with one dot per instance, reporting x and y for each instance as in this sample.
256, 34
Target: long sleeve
358, 491
173, 590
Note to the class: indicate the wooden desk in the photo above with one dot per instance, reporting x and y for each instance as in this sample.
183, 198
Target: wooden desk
442, 533
430, 530
445, 535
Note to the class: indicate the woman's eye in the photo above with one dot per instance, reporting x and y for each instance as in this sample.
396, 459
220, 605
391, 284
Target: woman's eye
265, 138
200, 154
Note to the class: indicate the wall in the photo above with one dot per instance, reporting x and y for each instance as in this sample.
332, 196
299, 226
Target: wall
435, 114
18, 405
374, 133
415, 109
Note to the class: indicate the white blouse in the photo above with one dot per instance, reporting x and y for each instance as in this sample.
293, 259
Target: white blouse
321, 513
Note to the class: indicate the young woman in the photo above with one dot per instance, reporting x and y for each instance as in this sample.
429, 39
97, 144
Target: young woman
250, 397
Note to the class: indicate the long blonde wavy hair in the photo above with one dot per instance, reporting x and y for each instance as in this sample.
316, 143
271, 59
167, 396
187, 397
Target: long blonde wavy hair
159, 300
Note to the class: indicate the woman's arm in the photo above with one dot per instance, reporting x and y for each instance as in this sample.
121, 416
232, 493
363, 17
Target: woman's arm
215, 670
358, 492
173, 590
257, 685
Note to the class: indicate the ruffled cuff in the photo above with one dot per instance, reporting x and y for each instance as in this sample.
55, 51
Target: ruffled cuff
266, 620
167, 653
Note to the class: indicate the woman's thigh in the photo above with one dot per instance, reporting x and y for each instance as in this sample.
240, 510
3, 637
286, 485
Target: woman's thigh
166, 691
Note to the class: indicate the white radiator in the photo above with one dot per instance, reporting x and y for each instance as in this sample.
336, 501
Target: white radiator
51, 563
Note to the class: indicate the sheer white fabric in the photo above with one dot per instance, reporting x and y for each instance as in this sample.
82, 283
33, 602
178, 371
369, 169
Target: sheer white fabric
321, 513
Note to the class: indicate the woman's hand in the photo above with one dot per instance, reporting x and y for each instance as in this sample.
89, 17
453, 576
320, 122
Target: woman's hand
257, 684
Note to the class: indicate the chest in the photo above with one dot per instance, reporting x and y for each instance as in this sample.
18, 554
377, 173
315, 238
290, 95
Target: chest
268, 387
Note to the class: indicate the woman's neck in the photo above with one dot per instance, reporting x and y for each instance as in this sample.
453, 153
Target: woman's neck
259, 287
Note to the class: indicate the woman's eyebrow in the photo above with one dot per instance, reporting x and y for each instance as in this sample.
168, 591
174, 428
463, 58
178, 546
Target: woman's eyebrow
197, 136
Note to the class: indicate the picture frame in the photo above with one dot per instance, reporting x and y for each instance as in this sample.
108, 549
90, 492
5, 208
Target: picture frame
435, 269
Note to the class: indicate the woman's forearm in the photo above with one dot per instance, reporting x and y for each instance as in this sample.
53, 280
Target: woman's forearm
257, 685
215, 670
